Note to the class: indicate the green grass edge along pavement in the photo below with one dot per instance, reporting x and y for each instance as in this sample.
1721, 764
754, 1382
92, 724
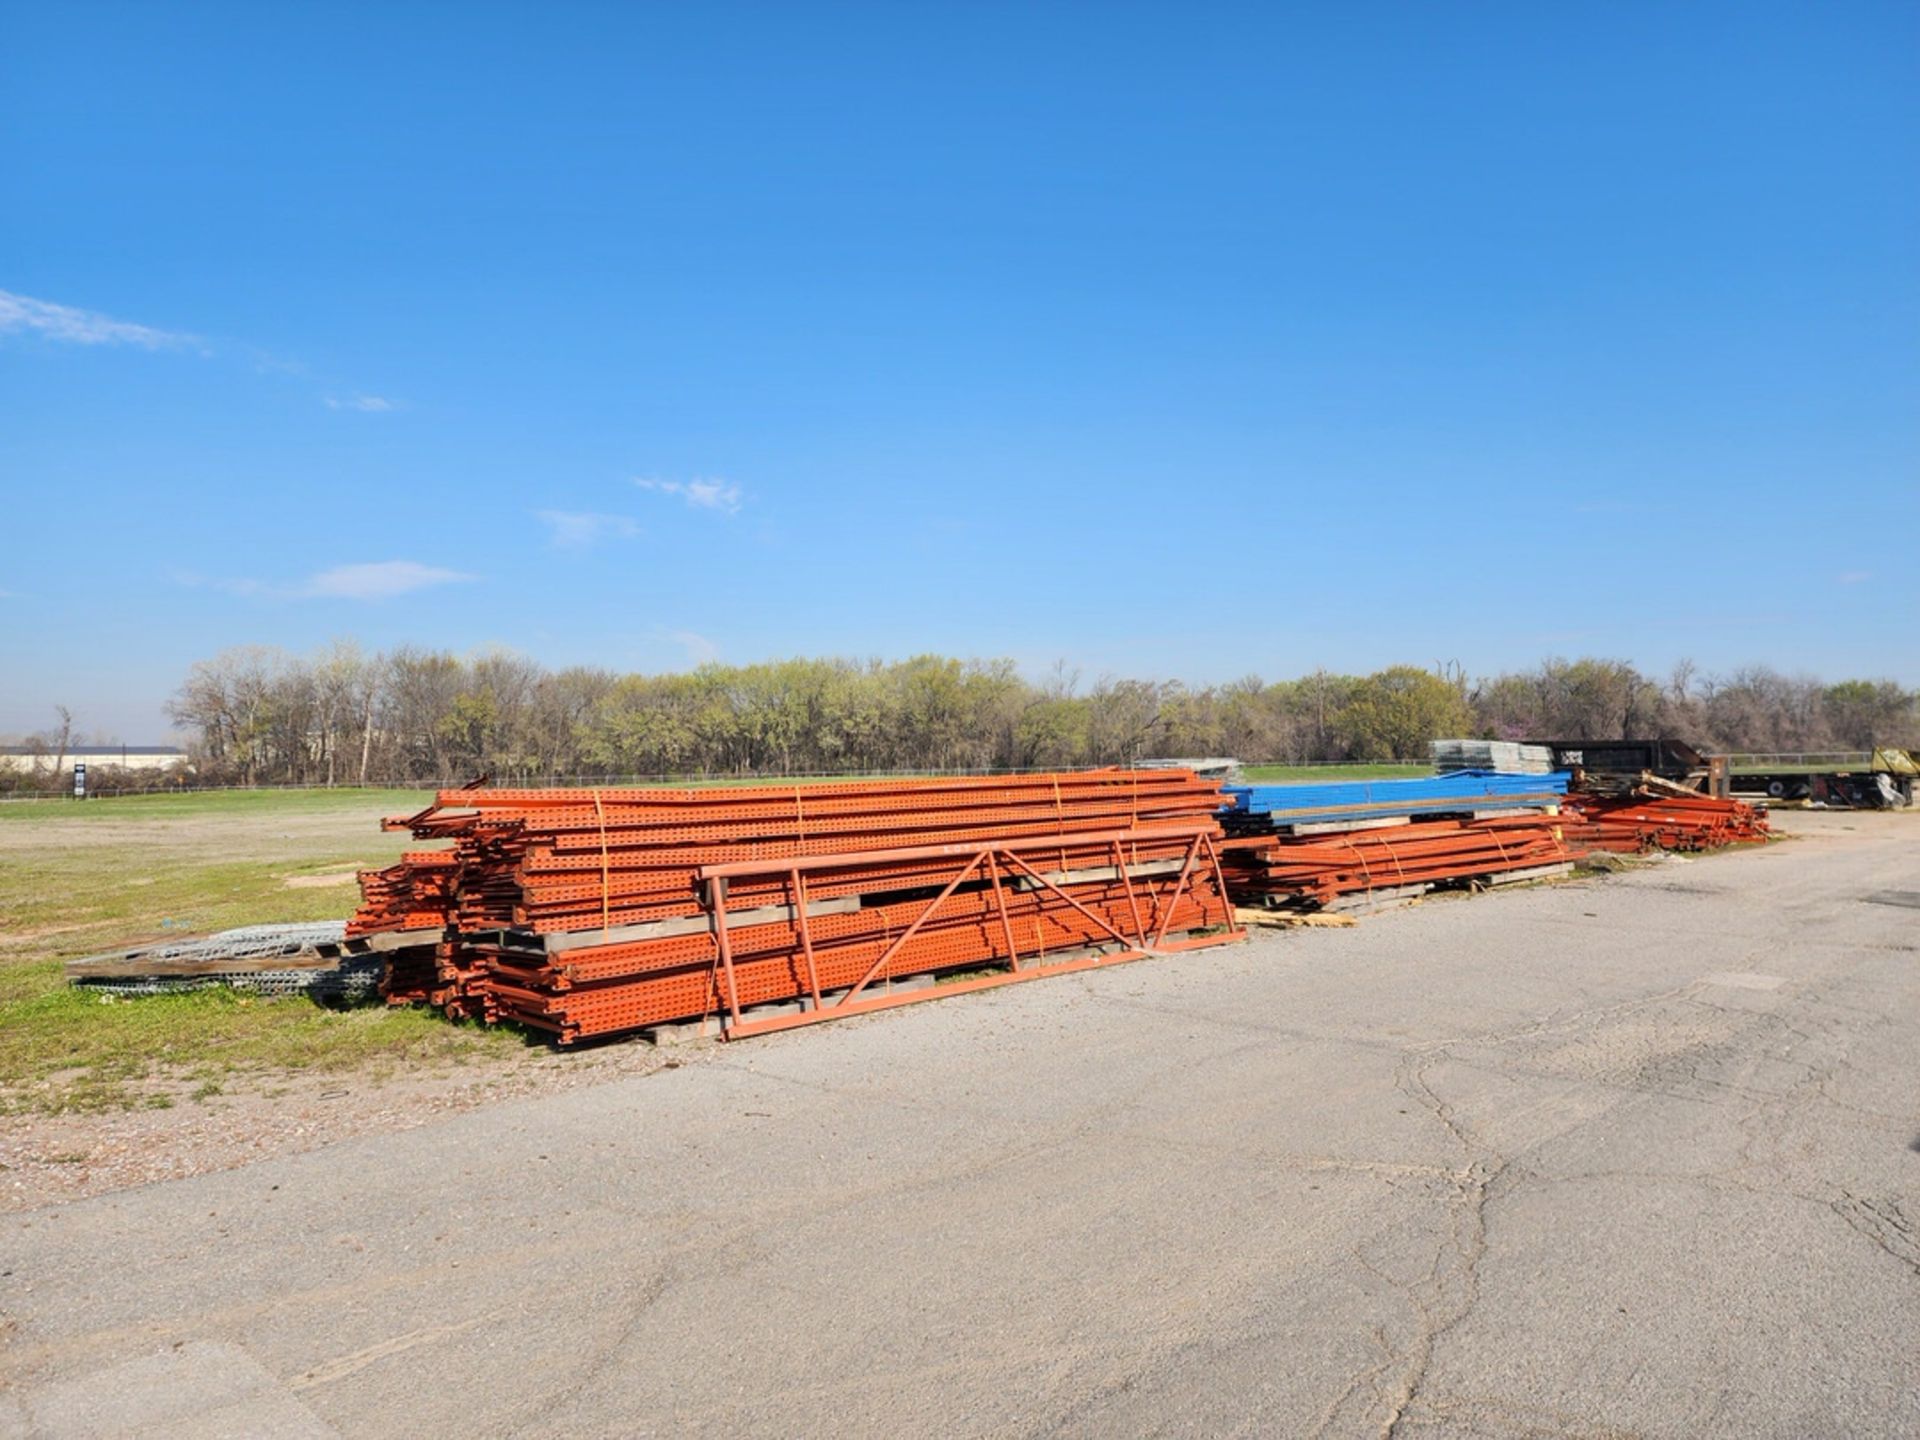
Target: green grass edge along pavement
83, 877
176, 866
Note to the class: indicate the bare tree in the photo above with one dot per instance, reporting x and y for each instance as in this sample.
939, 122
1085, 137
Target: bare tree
419, 716
62, 738
1680, 681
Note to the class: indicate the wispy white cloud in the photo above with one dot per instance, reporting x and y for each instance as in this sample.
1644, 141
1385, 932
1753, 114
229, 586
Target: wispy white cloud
714, 495
372, 580
721, 495
68, 324
1854, 577
380, 580
23, 313
700, 650
577, 529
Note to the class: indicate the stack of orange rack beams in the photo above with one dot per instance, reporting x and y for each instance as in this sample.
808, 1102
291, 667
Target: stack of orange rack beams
413, 895
589, 912
1278, 869
1647, 821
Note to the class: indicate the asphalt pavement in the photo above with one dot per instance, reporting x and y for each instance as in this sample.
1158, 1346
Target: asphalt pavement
1631, 1155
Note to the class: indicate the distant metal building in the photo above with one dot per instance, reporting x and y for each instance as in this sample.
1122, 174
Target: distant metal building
100, 757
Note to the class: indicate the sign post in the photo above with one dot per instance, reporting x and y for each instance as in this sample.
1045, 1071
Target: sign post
79, 782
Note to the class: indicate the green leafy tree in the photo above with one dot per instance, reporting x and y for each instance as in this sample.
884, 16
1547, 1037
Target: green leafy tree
1393, 714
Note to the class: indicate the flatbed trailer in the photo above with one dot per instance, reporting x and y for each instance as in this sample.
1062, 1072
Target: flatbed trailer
1878, 779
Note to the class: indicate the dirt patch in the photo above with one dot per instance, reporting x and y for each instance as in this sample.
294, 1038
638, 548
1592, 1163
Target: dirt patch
320, 882
228, 834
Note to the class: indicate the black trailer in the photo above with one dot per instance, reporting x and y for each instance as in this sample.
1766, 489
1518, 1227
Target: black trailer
1604, 762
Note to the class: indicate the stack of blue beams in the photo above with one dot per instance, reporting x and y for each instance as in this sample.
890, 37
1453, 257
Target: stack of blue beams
1461, 790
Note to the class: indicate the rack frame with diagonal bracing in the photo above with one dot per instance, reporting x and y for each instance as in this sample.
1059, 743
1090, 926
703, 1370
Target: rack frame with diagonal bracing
988, 858
587, 913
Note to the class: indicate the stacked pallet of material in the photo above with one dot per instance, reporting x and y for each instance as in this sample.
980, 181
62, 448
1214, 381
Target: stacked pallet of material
1259, 809
1504, 757
585, 912
1318, 870
1650, 821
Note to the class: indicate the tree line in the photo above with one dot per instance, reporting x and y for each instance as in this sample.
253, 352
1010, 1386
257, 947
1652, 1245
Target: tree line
412, 716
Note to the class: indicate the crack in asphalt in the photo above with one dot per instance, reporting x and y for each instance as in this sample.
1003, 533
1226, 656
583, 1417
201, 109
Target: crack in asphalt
1445, 1297
1447, 1294
1884, 1222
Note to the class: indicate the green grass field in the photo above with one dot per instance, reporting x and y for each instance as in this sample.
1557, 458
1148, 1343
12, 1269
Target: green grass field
61, 810
80, 878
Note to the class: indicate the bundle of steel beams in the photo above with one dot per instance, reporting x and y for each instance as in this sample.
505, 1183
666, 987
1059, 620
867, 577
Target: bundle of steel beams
1318, 870
1663, 821
1462, 792
588, 912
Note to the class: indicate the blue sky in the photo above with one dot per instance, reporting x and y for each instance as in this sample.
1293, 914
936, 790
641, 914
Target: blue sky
1165, 340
